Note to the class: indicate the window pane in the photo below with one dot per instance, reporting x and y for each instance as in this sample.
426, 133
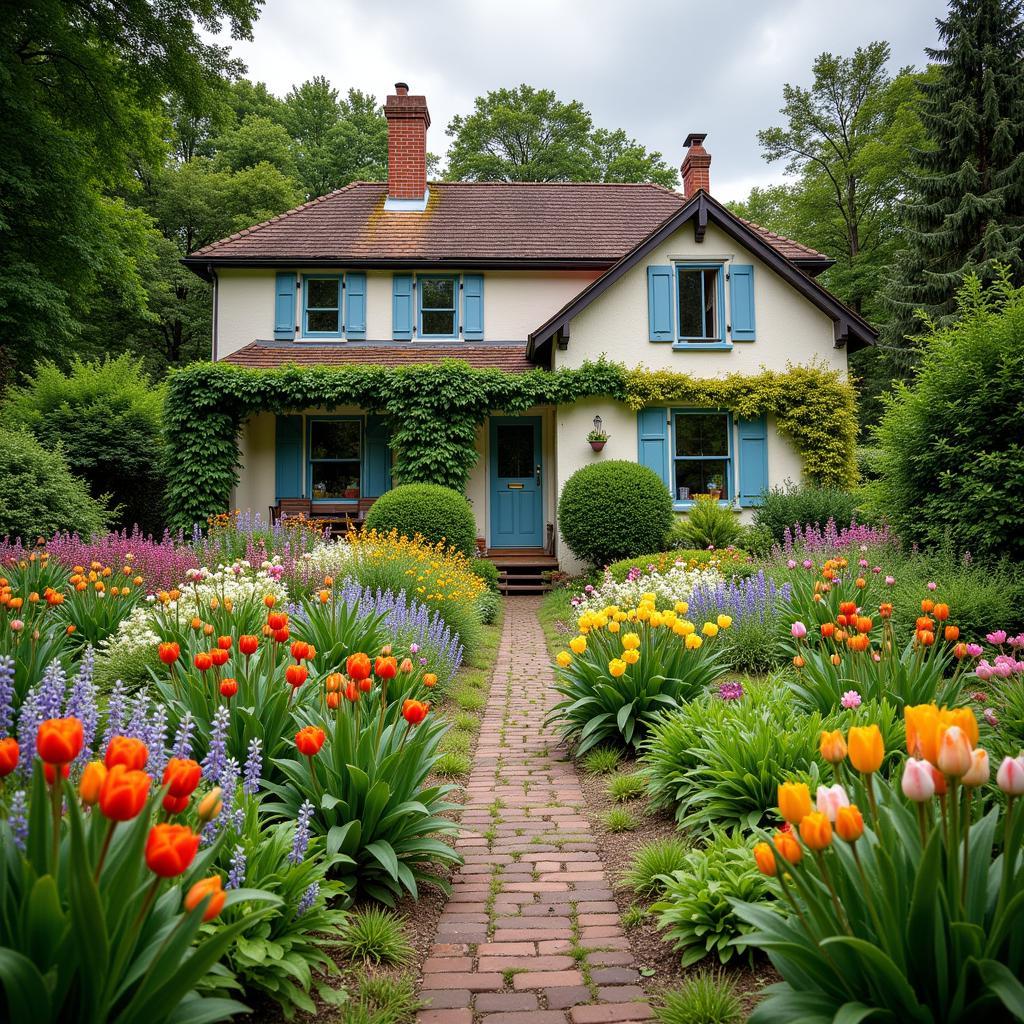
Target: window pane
698, 474
438, 323
336, 480
690, 321
515, 450
321, 294
334, 439
710, 303
322, 321
704, 434
437, 293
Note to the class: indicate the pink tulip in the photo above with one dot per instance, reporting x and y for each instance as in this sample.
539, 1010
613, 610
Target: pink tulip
1010, 777
890, 580
977, 774
984, 671
954, 752
830, 799
917, 783
998, 637
974, 650
799, 630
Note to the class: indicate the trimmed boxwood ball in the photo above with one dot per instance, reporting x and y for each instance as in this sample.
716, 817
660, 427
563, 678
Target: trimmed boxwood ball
613, 510
436, 512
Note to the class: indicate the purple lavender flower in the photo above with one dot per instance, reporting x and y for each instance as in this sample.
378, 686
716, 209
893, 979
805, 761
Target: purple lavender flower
28, 725
156, 740
115, 712
253, 767
6, 695
236, 876
301, 839
755, 597
50, 697
17, 819
730, 691
309, 898
216, 757
81, 704
183, 737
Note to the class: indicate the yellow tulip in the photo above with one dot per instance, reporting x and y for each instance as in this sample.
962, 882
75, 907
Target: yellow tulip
794, 801
616, 667
724, 621
564, 658
710, 629
630, 657
693, 642
832, 746
578, 644
866, 748
682, 607
613, 627
630, 642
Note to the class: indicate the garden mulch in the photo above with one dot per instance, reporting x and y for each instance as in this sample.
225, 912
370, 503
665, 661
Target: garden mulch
531, 933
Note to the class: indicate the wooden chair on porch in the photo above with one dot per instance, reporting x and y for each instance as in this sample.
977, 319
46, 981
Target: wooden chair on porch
290, 508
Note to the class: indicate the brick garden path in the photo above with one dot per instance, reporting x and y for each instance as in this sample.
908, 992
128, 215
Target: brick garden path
531, 934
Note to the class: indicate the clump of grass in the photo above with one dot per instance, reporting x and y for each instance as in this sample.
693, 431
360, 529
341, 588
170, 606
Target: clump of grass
469, 700
457, 742
376, 936
381, 1000
618, 819
658, 857
707, 997
453, 763
623, 787
634, 917
601, 760
466, 722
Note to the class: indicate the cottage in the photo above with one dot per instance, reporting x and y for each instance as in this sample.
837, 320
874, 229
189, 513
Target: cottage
519, 277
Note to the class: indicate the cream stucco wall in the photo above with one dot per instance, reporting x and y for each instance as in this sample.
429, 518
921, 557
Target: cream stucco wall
515, 303
789, 328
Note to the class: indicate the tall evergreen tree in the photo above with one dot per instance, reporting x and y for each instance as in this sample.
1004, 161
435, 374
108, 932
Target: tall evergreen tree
966, 212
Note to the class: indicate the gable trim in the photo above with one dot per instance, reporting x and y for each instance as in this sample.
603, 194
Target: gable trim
848, 325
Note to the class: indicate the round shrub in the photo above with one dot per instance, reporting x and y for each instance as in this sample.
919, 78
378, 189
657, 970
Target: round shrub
613, 510
437, 513
39, 495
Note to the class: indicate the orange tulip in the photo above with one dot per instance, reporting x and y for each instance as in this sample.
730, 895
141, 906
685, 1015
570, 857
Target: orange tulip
848, 608
277, 620
128, 751
210, 889
429, 680
210, 806
352, 691
836, 660
181, 776
169, 653
406, 667
925, 637
309, 740
951, 634
765, 860
333, 682
849, 823
954, 752
300, 650
281, 635
9, 754
816, 831
798, 662
50, 772
827, 629
124, 793
385, 668
170, 849
92, 780
885, 610
59, 740
414, 711
175, 804
333, 700
228, 688
269, 600
789, 849
248, 644
866, 748
832, 746
296, 675
794, 801
941, 612
224, 643
927, 605
864, 624
203, 661
358, 666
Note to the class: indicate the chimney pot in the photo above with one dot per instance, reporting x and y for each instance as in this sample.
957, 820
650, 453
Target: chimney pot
696, 165
402, 88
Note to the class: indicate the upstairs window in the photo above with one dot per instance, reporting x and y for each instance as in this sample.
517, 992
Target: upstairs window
321, 304
702, 454
335, 464
699, 290
438, 318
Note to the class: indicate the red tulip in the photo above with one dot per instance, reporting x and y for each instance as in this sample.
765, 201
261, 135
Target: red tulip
59, 740
357, 666
414, 711
219, 657
385, 668
170, 849
224, 643
9, 753
296, 675
124, 793
203, 661
309, 740
181, 776
228, 688
248, 644
169, 653
128, 751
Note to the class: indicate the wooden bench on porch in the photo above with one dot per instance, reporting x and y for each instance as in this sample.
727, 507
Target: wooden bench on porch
341, 517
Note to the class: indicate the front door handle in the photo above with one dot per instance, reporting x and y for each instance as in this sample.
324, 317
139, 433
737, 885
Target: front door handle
538, 474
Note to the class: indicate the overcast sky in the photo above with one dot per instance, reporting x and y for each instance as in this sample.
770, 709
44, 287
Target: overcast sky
657, 68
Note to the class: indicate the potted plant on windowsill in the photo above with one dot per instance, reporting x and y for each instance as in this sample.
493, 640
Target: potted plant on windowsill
598, 439
715, 489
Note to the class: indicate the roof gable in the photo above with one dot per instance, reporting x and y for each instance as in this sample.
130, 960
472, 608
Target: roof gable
702, 209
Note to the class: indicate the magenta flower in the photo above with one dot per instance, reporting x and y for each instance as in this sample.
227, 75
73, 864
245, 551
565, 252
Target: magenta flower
890, 580
974, 650
932, 586
998, 637
990, 717
808, 564
730, 691
799, 630
790, 563
851, 699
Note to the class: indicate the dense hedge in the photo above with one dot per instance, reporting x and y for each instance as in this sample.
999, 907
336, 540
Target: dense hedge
436, 513
805, 505
434, 411
613, 510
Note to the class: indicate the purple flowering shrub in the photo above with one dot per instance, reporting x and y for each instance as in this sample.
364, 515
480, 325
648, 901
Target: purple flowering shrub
831, 539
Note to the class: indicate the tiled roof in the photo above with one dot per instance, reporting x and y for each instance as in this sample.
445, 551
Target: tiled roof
786, 246
269, 354
557, 222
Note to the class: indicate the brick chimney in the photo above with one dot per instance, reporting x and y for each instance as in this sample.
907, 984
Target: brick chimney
408, 121
696, 165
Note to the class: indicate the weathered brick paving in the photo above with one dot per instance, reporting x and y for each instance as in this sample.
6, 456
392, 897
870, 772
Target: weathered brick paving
531, 934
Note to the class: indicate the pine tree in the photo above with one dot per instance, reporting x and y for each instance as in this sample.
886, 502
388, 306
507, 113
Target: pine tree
965, 212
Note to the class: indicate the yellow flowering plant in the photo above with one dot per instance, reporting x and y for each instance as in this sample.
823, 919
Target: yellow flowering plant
899, 899
626, 666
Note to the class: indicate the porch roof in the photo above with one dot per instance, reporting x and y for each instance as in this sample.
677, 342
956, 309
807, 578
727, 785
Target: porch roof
271, 354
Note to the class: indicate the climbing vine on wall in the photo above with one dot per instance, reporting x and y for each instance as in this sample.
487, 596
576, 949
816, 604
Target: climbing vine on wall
434, 410
813, 406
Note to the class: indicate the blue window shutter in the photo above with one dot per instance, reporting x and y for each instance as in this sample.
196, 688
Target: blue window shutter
284, 307
660, 305
376, 457
401, 306
288, 456
473, 307
355, 305
741, 302
753, 460
652, 432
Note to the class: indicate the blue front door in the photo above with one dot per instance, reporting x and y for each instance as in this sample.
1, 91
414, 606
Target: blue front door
516, 472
